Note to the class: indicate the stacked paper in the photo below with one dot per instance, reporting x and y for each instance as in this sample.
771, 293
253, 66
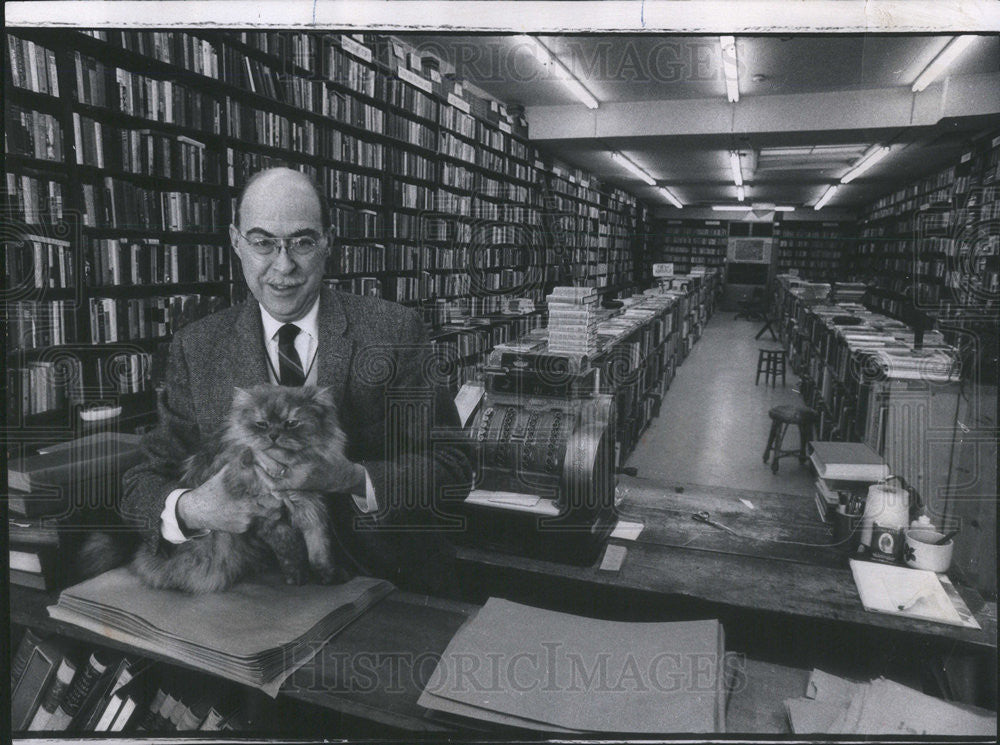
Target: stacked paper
544, 670
834, 705
255, 633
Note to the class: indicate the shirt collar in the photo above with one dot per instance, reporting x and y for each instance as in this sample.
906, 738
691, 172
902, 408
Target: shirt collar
308, 323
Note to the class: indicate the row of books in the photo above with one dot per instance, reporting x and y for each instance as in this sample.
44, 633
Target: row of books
115, 262
33, 324
143, 151
35, 134
350, 223
301, 49
39, 262
403, 289
57, 686
354, 111
407, 164
181, 49
44, 385
404, 129
116, 203
352, 187
242, 164
33, 200
31, 66
272, 129
144, 97
123, 319
412, 100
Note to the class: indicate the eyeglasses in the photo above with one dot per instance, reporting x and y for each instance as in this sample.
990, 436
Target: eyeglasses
302, 246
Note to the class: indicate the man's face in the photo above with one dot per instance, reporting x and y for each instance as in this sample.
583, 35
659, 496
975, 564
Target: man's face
281, 205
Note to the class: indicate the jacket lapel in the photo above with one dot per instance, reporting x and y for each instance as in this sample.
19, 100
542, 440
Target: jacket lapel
247, 355
335, 346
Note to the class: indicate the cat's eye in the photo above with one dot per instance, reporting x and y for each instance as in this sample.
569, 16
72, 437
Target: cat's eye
260, 425
291, 424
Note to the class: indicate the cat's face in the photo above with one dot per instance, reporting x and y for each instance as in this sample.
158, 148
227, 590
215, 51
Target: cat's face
271, 416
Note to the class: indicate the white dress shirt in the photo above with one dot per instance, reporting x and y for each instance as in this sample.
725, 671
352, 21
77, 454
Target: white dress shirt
306, 344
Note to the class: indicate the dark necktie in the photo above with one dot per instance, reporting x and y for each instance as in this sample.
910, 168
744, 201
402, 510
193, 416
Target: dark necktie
290, 370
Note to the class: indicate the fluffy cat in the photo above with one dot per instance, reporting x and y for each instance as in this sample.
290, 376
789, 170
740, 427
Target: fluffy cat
296, 426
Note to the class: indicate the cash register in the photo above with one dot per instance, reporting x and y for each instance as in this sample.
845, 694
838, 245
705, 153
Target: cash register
544, 455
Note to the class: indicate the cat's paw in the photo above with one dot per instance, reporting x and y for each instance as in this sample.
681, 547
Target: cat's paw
332, 575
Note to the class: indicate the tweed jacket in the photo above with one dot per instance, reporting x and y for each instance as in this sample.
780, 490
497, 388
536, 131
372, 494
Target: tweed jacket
400, 423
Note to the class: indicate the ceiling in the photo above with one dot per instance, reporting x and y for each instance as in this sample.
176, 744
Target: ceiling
663, 104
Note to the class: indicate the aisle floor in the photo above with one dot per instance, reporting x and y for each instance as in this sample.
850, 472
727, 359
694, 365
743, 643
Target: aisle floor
713, 424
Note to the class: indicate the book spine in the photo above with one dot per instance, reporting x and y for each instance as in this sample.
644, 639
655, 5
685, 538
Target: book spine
83, 684
24, 650
54, 696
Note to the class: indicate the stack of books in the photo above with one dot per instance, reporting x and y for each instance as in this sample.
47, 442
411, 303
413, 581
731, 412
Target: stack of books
52, 501
844, 471
573, 320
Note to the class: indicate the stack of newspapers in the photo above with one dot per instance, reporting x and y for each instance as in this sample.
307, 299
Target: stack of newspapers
257, 633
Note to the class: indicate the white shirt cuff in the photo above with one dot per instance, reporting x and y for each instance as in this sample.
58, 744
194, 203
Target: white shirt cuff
169, 528
368, 502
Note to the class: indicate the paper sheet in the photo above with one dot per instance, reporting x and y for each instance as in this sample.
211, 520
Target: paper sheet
884, 588
627, 531
614, 557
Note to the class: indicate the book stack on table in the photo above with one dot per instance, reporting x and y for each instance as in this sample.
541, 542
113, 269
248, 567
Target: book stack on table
573, 318
55, 496
844, 471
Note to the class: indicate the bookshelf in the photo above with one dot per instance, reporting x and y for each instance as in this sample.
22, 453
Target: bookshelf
689, 243
929, 244
127, 149
816, 250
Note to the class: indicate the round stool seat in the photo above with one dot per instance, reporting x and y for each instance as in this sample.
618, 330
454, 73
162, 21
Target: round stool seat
791, 414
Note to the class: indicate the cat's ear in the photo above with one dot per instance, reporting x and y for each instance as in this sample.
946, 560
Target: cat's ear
324, 395
241, 396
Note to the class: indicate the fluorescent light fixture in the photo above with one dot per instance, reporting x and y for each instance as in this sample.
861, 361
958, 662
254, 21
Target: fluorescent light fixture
734, 164
730, 207
827, 195
741, 193
629, 165
670, 197
569, 81
939, 64
729, 68
870, 158
784, 208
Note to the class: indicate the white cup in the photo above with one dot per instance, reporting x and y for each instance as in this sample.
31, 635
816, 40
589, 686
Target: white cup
920, 551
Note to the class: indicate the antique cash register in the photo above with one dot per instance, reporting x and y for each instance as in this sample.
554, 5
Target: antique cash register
544, 454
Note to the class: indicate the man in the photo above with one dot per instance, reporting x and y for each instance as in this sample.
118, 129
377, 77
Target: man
403, 461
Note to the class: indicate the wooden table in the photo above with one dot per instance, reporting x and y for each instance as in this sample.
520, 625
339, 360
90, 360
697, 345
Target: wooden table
784, 561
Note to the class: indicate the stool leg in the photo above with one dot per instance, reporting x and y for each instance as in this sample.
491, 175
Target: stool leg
777, 446
782, 361
805, 435
770, 439
773, 360
760, 362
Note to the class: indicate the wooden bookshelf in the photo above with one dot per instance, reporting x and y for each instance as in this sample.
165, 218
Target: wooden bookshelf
132, 146
816, 250
690, 243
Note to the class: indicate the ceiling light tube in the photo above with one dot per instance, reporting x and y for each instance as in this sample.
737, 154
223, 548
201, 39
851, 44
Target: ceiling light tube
867, 161
734, 164
939, 64
729, 68
827, 195
569, 81
629, 165
784, 208
741, 193
670, 197
729, 207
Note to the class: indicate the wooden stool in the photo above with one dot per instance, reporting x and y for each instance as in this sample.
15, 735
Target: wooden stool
771, 362
781, 417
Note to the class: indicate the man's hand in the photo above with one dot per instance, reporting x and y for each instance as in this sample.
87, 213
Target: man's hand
209, 507
339, 476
